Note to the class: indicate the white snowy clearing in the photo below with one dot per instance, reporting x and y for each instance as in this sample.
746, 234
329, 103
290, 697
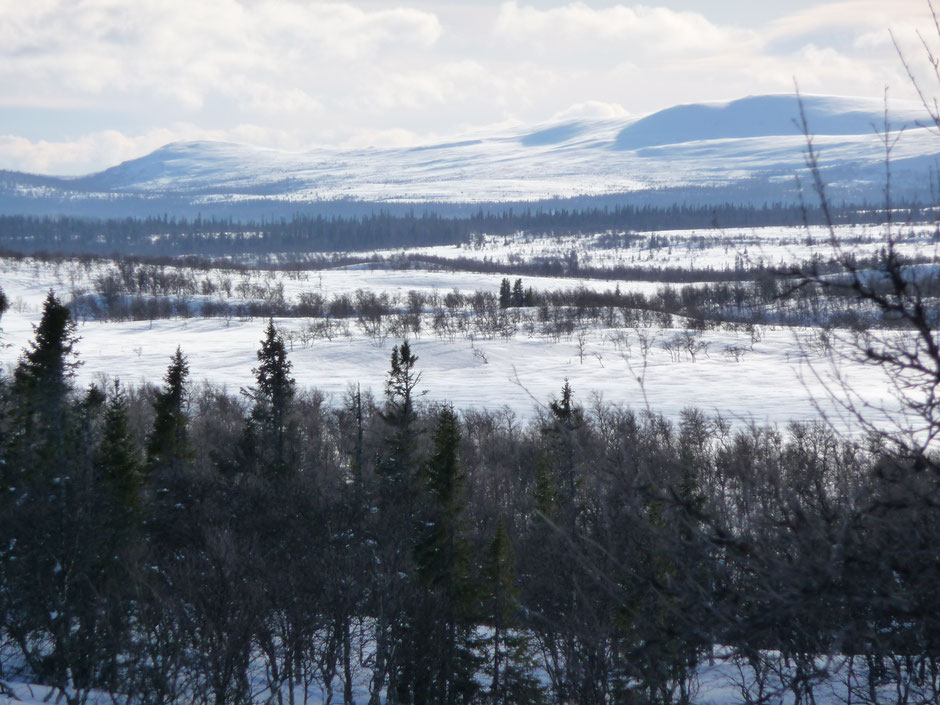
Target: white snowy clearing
772, 375
690, 249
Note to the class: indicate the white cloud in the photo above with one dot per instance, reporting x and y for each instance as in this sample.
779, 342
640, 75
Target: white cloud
591, 109
100, 149
628, 30
386, 138
79, 156
184, 50
850, 16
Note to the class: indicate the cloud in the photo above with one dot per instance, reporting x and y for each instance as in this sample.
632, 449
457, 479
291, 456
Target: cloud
185, 51
629, 30
386, 138
591, 109
850, 16
76, 157
103, 148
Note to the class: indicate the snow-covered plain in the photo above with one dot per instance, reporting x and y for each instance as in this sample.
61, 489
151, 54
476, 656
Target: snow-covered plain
777, 376
692, 249
771, 384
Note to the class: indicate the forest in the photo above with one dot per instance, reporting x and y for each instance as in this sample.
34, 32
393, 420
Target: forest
214, 237
181, 543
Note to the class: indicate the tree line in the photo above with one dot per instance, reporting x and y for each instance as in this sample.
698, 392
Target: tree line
177, 543
225, 237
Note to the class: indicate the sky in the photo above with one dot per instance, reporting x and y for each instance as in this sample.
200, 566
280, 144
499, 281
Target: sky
86, 84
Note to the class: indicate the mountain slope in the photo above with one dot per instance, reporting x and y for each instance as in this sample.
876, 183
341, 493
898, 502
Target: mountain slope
762, 116
744, 150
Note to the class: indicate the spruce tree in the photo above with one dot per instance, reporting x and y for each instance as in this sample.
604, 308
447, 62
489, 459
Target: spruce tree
168, 444
118, 455
518, 294
167, 475
399, 415
444, 567
68, 614
4, 304
41, 415
511, 663
505, 294
119, 508
401, 600
442, 555
45, 370
560, 433
270, 428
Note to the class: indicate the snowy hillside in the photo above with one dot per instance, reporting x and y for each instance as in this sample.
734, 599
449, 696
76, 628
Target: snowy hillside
744, 150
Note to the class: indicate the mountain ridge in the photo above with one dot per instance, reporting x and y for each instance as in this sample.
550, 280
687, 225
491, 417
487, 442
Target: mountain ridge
740, 149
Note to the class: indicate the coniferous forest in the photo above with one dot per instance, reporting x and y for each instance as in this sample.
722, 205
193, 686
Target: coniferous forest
304, 234
183, 543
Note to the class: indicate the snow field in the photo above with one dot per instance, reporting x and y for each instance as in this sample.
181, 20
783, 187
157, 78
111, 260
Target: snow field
772, 382
775, 378
695, 250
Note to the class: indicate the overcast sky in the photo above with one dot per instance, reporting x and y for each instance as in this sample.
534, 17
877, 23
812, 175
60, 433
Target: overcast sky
85, 84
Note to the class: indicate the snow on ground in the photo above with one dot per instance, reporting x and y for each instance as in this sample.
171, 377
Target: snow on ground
771, 381
770, 384
29, 281
720, 683
694, 249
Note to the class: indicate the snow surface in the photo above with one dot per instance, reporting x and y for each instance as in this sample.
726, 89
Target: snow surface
781, 377
719, 683
691, 249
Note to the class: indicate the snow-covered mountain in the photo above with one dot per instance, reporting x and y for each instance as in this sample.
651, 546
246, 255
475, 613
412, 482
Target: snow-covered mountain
745, 150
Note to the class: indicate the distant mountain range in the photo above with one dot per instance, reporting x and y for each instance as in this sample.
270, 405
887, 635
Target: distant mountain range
745, 151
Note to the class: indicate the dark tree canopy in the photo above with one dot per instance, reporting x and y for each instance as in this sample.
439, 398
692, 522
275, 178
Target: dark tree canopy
47, 366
